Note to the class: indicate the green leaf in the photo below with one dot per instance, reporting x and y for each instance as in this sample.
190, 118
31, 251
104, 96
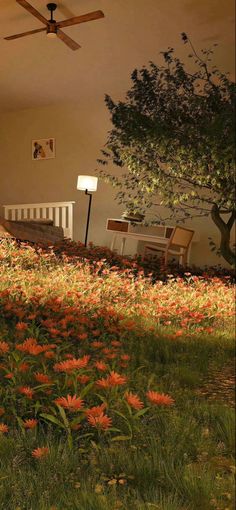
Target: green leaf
70, 441
121, 438
141, 412
126, 421
53, 419
21, 424
86, 390
63, 415
16, 356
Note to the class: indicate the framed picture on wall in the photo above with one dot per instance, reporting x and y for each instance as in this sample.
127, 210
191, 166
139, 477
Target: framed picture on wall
43, 148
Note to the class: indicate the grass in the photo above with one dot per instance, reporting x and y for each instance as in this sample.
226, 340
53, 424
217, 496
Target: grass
162, 338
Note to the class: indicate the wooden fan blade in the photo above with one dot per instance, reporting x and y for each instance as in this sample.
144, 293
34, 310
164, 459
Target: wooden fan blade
67, 40
11, 37
81, 19
32, 11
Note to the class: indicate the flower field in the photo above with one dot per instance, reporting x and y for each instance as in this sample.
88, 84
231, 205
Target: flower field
100, 378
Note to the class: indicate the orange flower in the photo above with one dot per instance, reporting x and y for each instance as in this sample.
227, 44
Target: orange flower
83, 336
159, 399
97, 344
32, 316
27, 391
116, 343
101, 366
96, 332
10, 375
96, 410
30, 346
125, 357
83, 379
116, 379
103, 383
2, 411
30, 424
134, 400
180, 332
111, 355
72, 364
72, 403
42, 378
4, 347
54, 332
21, 326
3, 428
38, 453
23, 367
49, 354
102, 421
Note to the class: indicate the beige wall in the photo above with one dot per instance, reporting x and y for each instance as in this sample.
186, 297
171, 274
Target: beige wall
80, 133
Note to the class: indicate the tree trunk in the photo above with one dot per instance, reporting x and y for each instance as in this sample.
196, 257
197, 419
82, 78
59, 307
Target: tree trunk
225, 229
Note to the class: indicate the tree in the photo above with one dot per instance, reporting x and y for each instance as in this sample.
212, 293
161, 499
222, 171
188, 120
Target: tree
175, 136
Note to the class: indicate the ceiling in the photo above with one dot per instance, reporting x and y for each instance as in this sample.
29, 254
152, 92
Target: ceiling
37, 71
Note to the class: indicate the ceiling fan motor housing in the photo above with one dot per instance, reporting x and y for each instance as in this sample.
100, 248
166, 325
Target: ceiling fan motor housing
51, 7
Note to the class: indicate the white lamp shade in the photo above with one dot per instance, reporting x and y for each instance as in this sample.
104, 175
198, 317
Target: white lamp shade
87, 182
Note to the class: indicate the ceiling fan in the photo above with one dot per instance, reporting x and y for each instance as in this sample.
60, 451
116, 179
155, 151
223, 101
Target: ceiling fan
53, 27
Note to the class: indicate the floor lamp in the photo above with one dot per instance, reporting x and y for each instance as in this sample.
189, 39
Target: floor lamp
87, 183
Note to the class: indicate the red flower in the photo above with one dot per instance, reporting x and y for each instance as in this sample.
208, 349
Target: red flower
125, 357
49, 354
71, 364
4, 347
116, 343
180, 332
83, 379
72, 403
23, 367
96, 410
38, 453
27, 391
103, 383
10, 375
30, 424
97, 344
3, 428
101, 366
159, 399
114, 379
102, 421
30, 345
42, 378
21, 326
83, 336
134, 400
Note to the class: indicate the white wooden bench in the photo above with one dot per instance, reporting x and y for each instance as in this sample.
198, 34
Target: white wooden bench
60, 212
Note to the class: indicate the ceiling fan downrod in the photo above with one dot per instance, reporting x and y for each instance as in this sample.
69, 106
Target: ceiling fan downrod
52, 7
52, 29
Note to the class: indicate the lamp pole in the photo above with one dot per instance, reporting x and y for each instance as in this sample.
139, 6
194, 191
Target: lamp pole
87, 183
88, 216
